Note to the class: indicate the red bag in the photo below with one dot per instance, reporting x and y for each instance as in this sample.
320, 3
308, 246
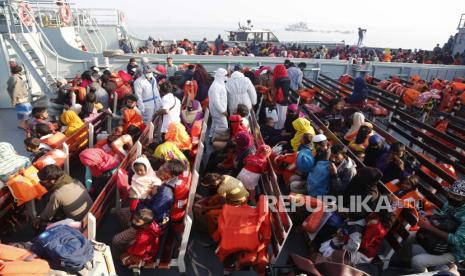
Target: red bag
122, 183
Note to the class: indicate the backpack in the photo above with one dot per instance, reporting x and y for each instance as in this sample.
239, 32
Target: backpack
64, 248
431, 242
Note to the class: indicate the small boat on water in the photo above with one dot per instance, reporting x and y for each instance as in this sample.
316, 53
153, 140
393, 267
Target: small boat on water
303, 27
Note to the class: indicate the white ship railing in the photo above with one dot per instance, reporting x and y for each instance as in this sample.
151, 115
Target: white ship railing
37, 44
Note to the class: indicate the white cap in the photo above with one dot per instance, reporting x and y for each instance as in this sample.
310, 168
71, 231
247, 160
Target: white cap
145, 60
319, 138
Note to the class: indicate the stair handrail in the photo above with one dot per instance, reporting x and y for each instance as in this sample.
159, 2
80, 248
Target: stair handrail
99, 32
41, 36
85, 16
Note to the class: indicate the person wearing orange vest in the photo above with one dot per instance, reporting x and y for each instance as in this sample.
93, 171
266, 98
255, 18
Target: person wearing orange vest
405, 189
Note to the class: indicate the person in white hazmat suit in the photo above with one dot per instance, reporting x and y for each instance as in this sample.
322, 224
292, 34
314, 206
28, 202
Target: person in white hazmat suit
218, 101
148, 97
240, 91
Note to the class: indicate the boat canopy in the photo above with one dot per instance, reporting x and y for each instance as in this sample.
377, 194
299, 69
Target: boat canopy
256, 35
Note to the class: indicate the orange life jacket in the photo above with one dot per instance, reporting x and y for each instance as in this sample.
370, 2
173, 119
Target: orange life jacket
12, 262
448, 99
243, 228
55, 140
313, 221
25, 186
410, 96
53, 157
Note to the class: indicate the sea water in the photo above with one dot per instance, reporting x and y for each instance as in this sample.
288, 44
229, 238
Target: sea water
375, 36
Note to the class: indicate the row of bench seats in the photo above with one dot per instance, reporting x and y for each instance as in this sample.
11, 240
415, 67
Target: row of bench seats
173, 244
13, 215
412, 127
432, 186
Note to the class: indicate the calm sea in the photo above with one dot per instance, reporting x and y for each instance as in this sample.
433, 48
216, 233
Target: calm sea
385, 38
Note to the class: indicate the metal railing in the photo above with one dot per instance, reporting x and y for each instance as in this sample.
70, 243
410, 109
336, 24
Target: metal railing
38, 45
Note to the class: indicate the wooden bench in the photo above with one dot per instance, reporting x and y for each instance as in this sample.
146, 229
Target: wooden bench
398, 231
425, 162
174, 241
281, 222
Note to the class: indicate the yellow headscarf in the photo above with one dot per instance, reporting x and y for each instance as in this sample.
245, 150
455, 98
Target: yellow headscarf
178, 135
168, 151
301, 126
72, 121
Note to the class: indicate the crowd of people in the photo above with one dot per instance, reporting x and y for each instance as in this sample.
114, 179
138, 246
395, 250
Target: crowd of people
307, 163
355, 54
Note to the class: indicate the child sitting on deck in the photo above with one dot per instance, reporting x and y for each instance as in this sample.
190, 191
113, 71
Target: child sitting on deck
139, 241
39, 116
144, 183
131, 116
36, 148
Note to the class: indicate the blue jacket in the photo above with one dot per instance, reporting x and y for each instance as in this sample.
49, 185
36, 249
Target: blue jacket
162, 202
360, 93
305, 160
318, 180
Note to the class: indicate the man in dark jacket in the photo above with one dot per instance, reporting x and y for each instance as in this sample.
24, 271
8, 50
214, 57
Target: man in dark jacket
342, 169
68, 197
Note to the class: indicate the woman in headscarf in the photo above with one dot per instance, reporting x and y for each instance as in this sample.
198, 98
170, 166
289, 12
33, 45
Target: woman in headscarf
280, 93
357, 120
192, 112
204, 81
70, 119
376, 148
10, 161
237, 124
101, 167
169, 151
91, 107
301, 126
361, 141
360, 93
178, 135
244, 143
293, 113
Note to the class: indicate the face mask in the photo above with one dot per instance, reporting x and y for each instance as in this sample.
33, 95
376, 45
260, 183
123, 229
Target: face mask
149, 76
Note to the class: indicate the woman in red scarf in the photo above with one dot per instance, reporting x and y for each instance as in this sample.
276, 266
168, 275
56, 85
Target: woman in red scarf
237, 125
280, 93
244, 143
101, 166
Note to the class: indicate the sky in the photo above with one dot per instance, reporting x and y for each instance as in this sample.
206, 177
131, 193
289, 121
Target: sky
395, 23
